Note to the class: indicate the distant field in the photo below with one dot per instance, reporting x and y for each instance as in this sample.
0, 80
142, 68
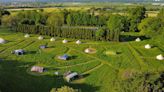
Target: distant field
100, 69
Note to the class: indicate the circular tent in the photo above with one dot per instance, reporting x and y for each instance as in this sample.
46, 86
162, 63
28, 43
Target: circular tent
52, 39
90, 50
78, 42
2, 41
138, 40
26, 35
147, 46
40, 37
159, 57
65, 41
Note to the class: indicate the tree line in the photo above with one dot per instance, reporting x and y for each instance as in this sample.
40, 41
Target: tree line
110, 26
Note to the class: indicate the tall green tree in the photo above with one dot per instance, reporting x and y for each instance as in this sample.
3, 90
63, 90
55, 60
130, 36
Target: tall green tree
135, 17
151, 27
64, 89
55, 19
115, 25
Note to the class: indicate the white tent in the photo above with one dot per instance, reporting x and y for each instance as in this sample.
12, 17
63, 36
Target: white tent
159, 57
138, 40
78, 42
87, 51
71, 76
147, 46
40, 37
65, 41
37, 69
52, 39
2, 41
26, 35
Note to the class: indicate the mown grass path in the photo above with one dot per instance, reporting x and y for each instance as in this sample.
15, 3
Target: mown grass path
143, 65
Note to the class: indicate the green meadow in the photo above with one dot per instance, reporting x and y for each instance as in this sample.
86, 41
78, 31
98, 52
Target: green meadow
111, 62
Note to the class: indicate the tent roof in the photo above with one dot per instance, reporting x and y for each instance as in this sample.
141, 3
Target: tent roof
2, 40
71, 75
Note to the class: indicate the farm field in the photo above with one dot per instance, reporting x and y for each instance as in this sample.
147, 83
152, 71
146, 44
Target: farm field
100, 70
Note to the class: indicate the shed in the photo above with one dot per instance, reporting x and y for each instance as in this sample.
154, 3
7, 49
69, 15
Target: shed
18, 52
64, 57
42, 46
2, 41
26, 35
38, 69
72, 76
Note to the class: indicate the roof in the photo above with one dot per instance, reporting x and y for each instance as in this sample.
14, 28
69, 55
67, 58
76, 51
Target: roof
65, 56
2, 40
43, 46
19, 50
71, 75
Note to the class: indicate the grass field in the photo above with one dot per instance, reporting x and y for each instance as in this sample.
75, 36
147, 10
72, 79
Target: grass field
100, 70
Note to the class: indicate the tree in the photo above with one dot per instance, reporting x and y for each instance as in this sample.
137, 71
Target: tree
115, 25
151, 26
64, 89
100, 34
55, 19
161, 14
135, 17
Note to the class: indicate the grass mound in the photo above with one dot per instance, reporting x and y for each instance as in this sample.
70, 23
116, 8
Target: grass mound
111, 53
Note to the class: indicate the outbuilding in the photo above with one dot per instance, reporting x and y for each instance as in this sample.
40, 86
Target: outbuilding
38, 69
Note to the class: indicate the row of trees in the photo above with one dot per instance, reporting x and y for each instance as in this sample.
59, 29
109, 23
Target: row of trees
86, 19
69, 32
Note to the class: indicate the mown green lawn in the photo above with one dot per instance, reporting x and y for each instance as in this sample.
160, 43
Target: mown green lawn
100, 70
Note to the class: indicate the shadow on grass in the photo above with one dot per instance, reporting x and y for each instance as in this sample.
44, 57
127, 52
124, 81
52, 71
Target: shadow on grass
31, 52
14, 78
126, 38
